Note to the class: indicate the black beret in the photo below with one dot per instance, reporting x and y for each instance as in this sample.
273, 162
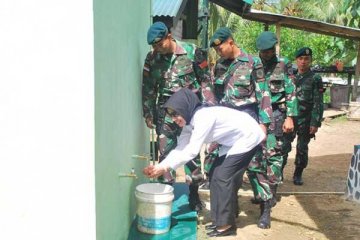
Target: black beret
305, 51
157, 32
266, 40
220, 36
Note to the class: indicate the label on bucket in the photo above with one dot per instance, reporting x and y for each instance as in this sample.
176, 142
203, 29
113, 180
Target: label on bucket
154, 223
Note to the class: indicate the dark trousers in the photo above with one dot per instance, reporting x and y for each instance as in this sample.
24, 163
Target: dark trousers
223, 186
302, 149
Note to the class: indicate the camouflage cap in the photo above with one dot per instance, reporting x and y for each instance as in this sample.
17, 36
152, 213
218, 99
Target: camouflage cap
305, 51
157, 32
266, 40
220, 36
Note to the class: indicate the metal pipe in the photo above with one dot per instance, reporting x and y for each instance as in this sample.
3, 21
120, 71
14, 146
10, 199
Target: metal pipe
141, 157
131, 174
311, 193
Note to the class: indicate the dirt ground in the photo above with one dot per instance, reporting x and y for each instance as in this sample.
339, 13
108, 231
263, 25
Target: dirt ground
316, 210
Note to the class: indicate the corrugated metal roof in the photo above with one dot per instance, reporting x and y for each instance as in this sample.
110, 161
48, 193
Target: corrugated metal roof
166, 7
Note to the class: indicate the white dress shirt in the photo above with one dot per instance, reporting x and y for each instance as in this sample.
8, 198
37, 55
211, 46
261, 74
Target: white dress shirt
236, 131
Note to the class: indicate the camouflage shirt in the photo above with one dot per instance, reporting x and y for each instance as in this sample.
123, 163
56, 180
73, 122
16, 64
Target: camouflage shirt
309, 91
241, 81
279, 76
165, 74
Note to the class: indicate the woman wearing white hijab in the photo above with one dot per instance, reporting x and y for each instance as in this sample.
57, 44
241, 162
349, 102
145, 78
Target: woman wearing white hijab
239, 136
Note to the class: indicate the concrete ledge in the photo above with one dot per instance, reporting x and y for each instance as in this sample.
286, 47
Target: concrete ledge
333, 113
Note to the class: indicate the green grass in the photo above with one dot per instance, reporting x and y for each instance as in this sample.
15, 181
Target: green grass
327, 98
339, 119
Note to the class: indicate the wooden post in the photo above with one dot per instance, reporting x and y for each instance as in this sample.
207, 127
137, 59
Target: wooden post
357, 74
278, 30
349, 85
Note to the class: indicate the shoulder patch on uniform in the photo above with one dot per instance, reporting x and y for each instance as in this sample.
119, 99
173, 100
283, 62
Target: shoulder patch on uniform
260, 74
203, 65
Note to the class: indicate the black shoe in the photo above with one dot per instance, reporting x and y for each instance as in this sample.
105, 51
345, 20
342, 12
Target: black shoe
265, 219
231, 231
298, 181
210, 227
297, 178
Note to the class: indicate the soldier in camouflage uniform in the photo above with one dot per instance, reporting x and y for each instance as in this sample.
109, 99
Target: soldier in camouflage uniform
239, 83
309, 92
170, 66
278, 75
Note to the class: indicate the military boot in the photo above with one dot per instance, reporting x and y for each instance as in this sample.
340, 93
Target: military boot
195, 203
297, 176
265, 219
273, 200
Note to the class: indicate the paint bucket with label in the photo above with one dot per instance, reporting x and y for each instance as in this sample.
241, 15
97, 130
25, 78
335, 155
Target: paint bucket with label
154, 202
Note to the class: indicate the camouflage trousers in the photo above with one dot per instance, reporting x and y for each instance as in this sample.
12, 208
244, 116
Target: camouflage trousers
302, 149
274, 158
258, 178
167, 132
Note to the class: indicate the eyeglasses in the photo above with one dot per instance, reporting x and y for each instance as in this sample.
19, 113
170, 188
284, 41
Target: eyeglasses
171, 112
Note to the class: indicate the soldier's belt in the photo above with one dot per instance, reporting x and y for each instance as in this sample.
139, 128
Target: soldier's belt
306, 104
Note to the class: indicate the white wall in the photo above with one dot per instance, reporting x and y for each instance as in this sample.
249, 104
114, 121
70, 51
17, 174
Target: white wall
46, 120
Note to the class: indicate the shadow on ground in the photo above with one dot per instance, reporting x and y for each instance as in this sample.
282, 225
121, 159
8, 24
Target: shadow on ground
316, 210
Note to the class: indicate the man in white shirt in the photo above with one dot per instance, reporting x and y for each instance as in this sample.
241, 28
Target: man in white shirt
239, 136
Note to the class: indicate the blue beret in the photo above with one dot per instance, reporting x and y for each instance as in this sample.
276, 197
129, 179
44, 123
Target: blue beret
220, 36
266, 40
157, 32
305, 51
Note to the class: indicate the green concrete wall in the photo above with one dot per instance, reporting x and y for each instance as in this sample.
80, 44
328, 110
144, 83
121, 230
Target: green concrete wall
120, 48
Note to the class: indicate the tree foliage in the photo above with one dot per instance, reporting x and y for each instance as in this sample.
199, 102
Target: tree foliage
327, 49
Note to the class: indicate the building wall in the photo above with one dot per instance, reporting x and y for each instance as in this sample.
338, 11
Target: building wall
47, 120
120, 49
